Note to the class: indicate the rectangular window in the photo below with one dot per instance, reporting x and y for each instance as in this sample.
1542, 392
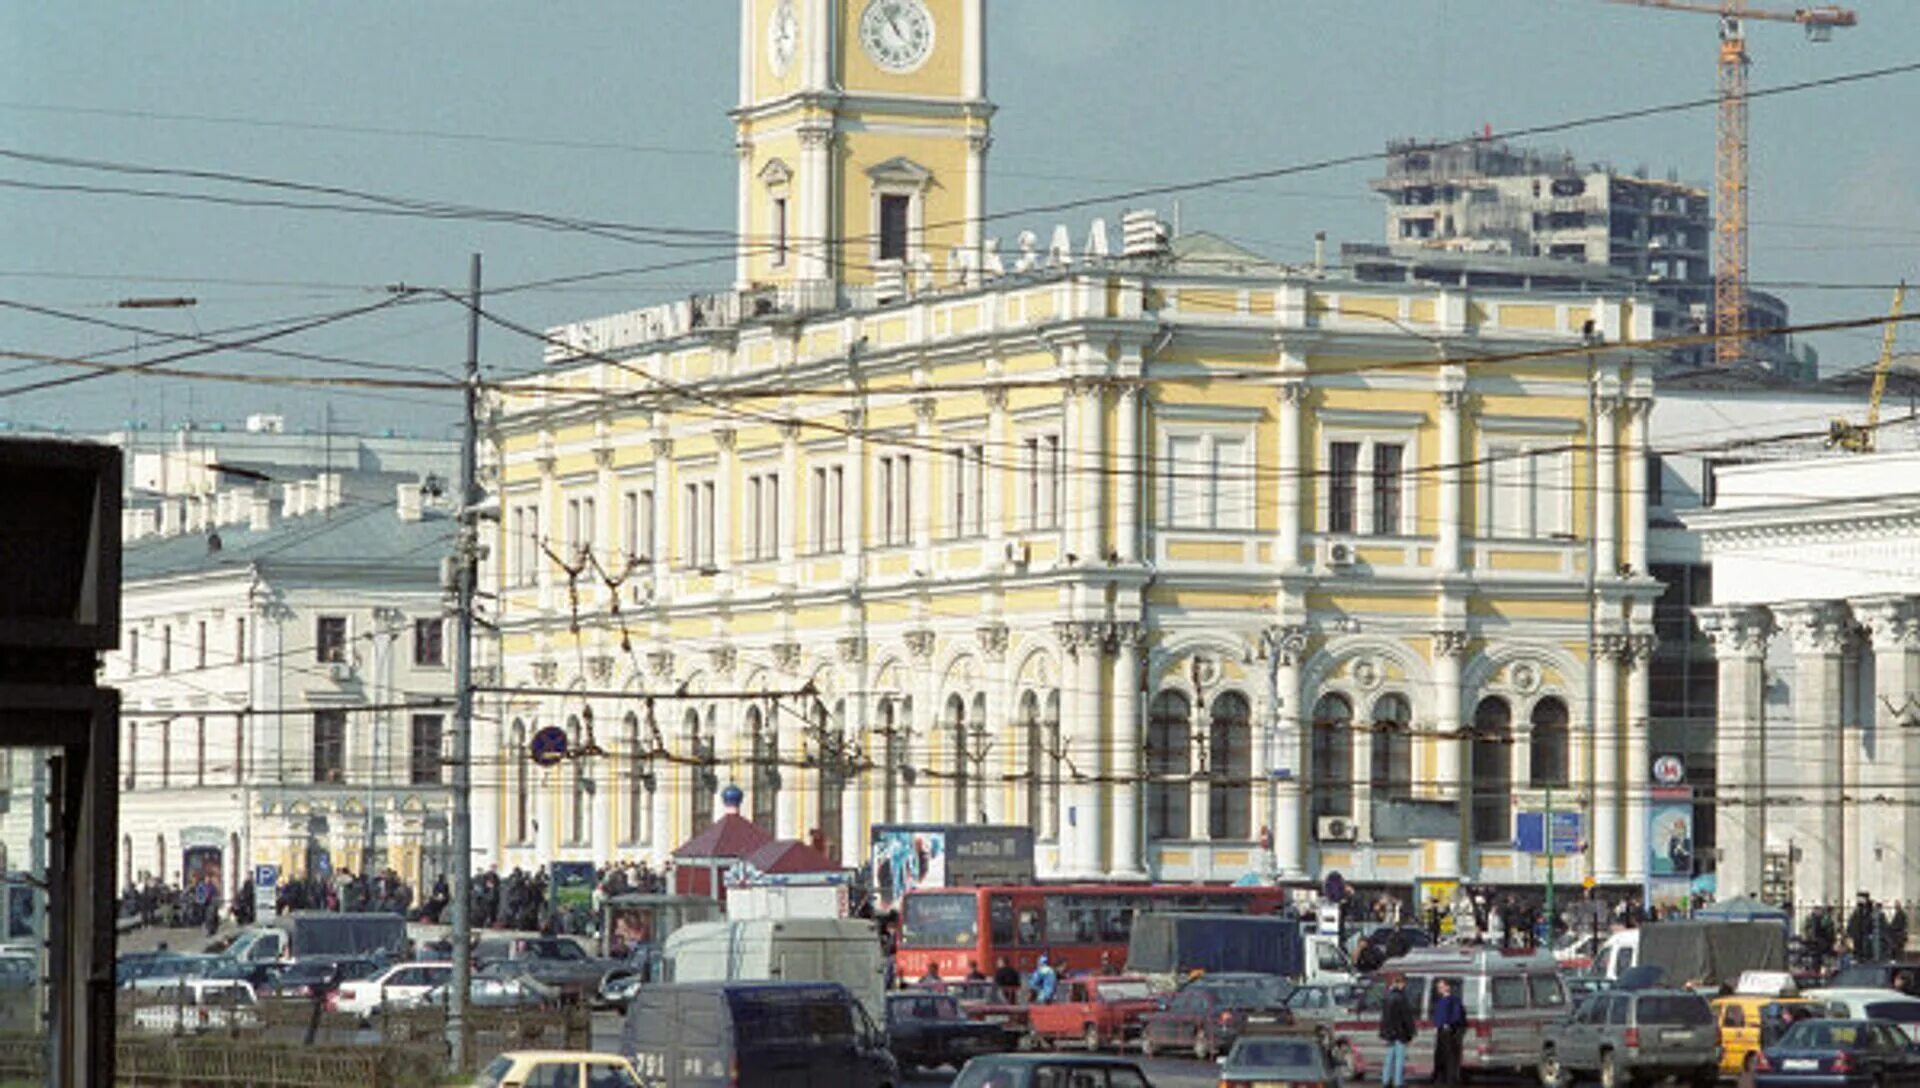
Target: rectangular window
423, 761
1056, 482
329, 745
763, 516
977, 489
1531, 491
636, 526
779, 231
1209, 482
696, 534
1187, 482
966, 490
330, 639
893, 227
1030, 476
200, 645
896, 499
754, 528
828, 504
1232, 484
430, 642
589, 520
1388, 459
957, 491
572, 528
525, 544
1343, 482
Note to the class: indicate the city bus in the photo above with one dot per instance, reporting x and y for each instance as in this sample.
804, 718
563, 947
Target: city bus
1072, 924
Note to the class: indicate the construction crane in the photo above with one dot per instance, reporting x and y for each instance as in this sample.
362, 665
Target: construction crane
1858, 439
1730, 161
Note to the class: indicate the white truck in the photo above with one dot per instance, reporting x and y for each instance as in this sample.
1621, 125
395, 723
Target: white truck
843, 950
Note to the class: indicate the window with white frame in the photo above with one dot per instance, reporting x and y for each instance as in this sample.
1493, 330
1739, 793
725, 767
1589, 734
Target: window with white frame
763, 515
1527, 488
524, 545
696, 523
895, 499
636, 525
966, 489
1042, 473
1207, 480
579, 527
827, 508
1367, 484
899, 187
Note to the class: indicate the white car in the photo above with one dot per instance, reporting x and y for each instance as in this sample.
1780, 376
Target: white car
402, 986
1873, 1005
195, 1005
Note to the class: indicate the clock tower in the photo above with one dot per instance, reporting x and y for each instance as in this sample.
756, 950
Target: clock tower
863, 130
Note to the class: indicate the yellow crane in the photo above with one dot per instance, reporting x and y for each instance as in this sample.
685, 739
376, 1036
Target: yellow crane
1860, 439
1730, 161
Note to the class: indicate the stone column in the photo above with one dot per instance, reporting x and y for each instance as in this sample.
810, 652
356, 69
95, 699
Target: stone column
1739, 634
1288, 645
1606, 539
793, 492
1894, 623
989, 781
994, 511
978, 144
1091, 463
726, 508
1449, 648
1199, 753
743, 209
919, 744
1638, 409
1131, 474
1080, 824
816, 195
857, 798
1638, 770
664, 500
1604, 734
924, 499
1290, 501
1128, 859
853, 522
1821, 632
1453, 398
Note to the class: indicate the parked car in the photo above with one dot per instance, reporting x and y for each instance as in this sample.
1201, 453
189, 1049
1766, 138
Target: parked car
1582, 986
497, 992
1839, 1054
1872, 1005
192, 1006
300, 979
1743, 1019
681, 1035
982, 1000
1625, 1037
1265, 1060
557, 1069
1209, 1013
1096, 1011
926, 1030
1319, 1007
1509, 999
160, 970
402, 986
559, 962
1904, 977
1049, 1070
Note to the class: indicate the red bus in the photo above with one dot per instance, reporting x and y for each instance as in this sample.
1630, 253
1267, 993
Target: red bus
1072, 924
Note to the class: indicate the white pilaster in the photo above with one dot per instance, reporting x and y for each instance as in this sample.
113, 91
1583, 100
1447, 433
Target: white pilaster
1128, 861
1639, 407
1606, 539
793, 499
994, 510
1293, 394
1449, 648
1894, 623
924, 499
1821, 632
1605, 733
1088, 741
1289, 647
1637, 772
1739, 634
1131, 473
1453, 383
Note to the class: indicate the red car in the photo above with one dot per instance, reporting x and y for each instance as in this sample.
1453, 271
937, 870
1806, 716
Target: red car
983, 1001
1096, 1011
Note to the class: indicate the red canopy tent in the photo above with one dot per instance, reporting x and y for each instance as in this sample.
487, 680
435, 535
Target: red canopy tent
700, 864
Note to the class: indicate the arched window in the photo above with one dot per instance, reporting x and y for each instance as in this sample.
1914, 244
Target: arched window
1493, 771
956, 724
1230, 765
833, 781
1331, 785
699, 775
638, 803
763, 753
577, 810
517, 759
1547, 764
1169, 741
1392, 771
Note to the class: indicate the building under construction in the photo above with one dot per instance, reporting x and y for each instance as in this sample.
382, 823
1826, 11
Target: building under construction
1483, 197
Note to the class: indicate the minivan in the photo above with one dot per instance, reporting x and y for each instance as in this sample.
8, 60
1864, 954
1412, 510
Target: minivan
753, 1034
1510, 996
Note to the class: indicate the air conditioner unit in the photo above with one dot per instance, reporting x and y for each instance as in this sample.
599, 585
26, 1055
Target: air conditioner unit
1333, 829
1337, 554
341, 672
1019, 553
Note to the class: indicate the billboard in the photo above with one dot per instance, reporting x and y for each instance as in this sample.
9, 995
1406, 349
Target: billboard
1670, 834
1530, 832
570, 888
909, 856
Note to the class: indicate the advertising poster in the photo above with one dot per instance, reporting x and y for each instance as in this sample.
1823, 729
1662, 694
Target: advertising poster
570, 886
1435, 893
907, 858
1670, 837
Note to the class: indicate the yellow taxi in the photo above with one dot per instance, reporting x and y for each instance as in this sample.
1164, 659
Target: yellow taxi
557, 1069
1739, 1017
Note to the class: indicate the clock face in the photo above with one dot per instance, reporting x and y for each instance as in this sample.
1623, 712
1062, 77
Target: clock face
897, 34
783, 35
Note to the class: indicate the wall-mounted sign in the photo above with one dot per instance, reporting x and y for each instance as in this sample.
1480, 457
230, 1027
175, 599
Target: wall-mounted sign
1669, 771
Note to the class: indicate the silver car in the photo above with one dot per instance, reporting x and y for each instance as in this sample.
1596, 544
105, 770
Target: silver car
1624, 1037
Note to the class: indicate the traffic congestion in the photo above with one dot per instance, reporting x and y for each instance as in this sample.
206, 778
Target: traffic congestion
1065, 985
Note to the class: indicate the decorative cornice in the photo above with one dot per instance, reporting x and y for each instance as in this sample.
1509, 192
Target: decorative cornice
1125, 633
1893, 622
1736, 630
920, 642
993, 639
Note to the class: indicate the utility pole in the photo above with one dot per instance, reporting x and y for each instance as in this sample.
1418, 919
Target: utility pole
466, 562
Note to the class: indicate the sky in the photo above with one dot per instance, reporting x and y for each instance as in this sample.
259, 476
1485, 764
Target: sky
614, 113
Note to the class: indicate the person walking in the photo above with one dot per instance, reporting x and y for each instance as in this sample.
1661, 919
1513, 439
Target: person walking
1449, 1023
1397, 1029
1006, 978
1045, 980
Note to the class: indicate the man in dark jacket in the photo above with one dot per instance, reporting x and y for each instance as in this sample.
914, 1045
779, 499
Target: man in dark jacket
1397, 1029
1450, 1023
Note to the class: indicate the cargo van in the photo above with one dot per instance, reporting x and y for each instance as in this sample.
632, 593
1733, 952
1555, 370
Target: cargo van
842, 950
1510, 996
746, 1034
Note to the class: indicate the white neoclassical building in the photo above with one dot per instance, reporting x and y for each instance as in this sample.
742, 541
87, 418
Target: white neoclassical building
1815, 623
